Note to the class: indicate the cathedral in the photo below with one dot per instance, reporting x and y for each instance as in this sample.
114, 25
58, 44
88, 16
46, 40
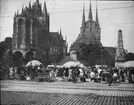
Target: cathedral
31, 32
90, 31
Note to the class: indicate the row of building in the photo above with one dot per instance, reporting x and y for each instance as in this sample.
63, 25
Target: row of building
31, 32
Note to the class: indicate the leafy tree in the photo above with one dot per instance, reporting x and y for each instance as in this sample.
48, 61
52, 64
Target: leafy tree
92, 53
129, 56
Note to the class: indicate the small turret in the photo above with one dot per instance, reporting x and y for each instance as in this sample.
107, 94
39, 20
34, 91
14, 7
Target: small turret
22, 10
17, 12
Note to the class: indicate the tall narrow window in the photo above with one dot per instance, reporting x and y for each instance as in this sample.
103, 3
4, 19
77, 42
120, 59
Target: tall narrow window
90, 29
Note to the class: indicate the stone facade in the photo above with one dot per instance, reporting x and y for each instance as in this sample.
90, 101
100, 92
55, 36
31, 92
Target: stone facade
31, 31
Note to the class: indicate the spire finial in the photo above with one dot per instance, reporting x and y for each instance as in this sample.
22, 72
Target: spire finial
29, 4
22, 9
45, 8
17, 11
90, 17
83, 17
66, 38
60, 31
97, 20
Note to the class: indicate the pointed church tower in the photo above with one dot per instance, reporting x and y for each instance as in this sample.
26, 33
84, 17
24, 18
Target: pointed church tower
45, 8
97, 27
46, 16
61, 34
90, 17
97, 20
120, 48
83, 20
30, 5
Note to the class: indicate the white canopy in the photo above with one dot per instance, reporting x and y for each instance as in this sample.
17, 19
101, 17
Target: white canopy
70, 64
34, 63
129, 64
73, 64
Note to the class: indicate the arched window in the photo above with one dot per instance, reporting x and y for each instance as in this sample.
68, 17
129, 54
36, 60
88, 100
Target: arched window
20, 31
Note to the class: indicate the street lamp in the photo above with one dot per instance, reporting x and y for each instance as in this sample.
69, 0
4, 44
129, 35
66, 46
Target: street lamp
101, 62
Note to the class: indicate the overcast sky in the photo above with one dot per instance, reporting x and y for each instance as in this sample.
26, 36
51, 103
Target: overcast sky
67, 14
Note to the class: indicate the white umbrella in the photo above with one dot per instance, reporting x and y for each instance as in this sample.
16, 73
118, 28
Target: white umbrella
70, 64
129, 64
80, 65
34, 63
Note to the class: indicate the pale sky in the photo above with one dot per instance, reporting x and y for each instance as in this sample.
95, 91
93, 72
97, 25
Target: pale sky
67, 14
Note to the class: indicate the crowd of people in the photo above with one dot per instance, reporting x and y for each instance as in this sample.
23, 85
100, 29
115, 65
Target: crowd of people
73, 74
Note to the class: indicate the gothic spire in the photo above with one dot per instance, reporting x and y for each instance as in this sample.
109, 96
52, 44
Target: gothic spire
29, 5
97, 20
60, 34
66, 38
44, 8
22, 9
83, 17
17, 12
90, 17
60, 31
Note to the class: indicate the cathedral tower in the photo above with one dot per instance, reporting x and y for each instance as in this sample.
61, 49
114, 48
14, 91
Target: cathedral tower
46, 16
83, 21
90, 31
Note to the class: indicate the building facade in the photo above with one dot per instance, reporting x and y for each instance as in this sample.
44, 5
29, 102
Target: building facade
31, 31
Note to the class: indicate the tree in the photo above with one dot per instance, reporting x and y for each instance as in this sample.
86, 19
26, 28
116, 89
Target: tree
93, 53
129, 56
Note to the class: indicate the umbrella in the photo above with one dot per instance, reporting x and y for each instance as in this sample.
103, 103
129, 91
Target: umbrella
70, 64
129, 64
34, 63
81, 65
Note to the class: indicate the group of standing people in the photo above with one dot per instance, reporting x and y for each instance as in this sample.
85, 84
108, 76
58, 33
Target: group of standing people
110, 75
74, 74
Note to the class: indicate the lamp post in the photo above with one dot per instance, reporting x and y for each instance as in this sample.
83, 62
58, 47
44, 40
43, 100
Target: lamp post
101, 58
101, 64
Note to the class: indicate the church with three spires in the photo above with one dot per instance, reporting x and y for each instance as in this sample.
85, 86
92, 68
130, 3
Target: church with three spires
31, 33
90, 31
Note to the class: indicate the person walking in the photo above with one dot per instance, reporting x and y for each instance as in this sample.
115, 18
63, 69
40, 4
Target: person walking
110, 77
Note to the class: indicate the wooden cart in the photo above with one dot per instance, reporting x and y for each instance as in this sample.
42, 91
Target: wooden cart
45, 76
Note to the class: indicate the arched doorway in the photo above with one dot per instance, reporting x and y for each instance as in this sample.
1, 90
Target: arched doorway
18, 59
29, 56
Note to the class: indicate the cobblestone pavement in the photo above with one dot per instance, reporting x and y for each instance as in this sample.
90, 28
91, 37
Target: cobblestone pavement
33, 93
97, 98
